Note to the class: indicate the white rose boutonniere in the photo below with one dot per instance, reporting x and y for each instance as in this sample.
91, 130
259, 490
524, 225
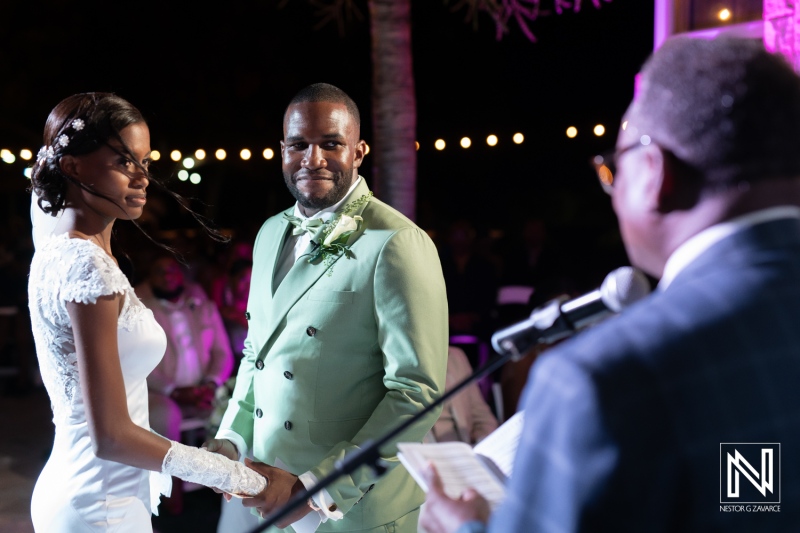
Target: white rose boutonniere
335, 234
344, 227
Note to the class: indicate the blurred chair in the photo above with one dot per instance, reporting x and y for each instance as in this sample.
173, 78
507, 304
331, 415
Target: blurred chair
514, 294
466, 417
193, 430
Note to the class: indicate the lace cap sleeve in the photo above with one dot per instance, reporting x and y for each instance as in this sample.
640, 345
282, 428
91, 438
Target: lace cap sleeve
89, 273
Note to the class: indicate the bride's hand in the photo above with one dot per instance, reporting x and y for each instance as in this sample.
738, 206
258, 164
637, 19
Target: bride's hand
226, 448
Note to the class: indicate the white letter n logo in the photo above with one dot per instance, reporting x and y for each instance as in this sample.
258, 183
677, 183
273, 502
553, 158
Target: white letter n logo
737, 464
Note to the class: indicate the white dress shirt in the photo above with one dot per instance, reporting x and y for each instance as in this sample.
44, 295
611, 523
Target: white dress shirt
690, 250
296, 245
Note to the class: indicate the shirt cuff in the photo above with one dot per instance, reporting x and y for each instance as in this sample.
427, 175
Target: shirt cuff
475, 526
166, 390
327, 507
236, 439
209, 379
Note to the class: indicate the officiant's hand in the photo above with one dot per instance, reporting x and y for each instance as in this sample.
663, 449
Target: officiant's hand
442, 514
281, 486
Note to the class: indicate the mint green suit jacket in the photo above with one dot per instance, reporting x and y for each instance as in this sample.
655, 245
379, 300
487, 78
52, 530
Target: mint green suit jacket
337, 356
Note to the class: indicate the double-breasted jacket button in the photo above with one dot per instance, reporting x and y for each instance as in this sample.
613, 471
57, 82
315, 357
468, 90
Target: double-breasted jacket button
260, 364
259, 413
247, 315
288, 375
287, 425
311, 331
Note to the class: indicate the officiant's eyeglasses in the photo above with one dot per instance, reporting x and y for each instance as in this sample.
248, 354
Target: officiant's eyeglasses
605, 164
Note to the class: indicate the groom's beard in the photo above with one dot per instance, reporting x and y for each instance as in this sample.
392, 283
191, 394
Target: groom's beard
341, 184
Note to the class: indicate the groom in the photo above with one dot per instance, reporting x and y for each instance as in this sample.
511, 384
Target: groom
347, 331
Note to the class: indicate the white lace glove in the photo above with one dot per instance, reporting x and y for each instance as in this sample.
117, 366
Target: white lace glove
212, 470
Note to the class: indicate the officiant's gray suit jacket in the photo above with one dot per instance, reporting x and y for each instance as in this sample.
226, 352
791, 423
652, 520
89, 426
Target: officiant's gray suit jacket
624, 422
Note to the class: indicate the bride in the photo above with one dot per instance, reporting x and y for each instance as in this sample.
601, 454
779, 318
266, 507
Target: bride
95, 341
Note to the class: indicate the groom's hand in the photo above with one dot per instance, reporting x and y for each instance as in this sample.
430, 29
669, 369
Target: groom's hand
281, 486
222, 447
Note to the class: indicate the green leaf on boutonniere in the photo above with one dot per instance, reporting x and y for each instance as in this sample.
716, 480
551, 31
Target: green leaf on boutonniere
331, 241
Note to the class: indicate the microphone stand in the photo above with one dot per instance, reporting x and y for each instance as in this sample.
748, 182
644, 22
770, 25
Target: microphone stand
368, 454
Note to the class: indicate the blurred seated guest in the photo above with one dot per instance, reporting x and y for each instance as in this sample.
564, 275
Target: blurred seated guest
198, 357
466, 417
471, 281
16, 341
527, 257
231, 300
217, 277
513, 375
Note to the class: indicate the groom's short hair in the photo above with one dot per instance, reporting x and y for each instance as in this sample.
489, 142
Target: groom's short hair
325, 92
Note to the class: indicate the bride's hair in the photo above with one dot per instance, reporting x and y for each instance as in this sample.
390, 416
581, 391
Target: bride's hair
79, 125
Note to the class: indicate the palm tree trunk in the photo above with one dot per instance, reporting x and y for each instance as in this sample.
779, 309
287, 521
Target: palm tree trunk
394, 105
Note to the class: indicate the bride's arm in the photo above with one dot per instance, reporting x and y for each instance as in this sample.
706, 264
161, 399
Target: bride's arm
114, 435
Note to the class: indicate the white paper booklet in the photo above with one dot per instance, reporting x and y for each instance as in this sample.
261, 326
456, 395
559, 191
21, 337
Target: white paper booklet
486, 467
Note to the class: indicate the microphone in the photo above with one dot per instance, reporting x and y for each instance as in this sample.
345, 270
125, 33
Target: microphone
557, 319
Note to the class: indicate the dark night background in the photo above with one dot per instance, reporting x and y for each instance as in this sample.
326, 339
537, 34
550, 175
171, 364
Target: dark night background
220, 75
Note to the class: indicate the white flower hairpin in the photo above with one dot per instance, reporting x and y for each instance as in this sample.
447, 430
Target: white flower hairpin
45, 152
48, 152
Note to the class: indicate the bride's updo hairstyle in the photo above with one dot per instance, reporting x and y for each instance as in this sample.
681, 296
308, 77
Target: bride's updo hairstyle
78, 125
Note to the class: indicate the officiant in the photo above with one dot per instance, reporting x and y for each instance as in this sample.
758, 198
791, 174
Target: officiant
623, 423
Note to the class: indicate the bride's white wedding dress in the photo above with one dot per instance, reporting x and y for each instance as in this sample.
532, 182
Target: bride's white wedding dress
77, 491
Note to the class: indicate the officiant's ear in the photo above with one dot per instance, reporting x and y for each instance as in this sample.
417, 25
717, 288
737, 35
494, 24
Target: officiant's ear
360, 152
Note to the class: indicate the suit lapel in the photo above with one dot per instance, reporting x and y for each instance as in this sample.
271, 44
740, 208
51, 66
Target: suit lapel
274, 252
359, 191
303, 274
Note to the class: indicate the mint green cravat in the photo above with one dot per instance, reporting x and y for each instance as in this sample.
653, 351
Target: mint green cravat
303, 225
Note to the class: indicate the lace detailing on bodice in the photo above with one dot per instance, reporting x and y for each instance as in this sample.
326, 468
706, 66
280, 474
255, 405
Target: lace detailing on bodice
70, 270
